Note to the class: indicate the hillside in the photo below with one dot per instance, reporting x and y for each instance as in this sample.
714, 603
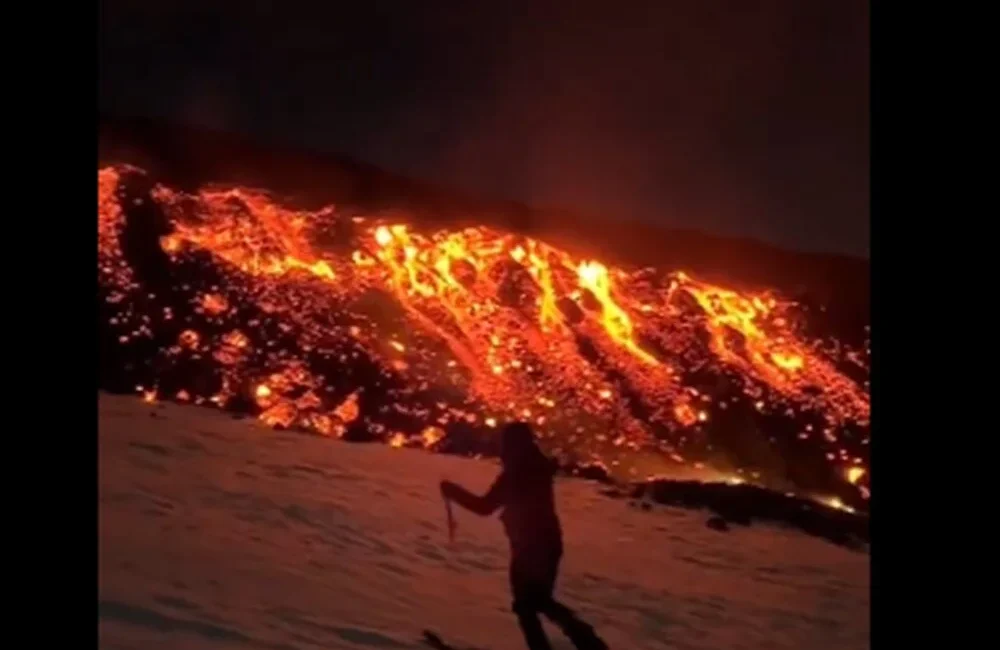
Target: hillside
219, 533
326, 296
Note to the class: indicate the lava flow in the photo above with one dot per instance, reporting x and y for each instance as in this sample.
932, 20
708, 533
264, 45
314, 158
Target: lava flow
355, 326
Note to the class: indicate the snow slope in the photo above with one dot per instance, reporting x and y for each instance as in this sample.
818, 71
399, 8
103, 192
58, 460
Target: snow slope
220, 533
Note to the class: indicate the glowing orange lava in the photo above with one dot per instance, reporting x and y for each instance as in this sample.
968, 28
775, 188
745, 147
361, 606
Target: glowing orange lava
471, 326
854, 474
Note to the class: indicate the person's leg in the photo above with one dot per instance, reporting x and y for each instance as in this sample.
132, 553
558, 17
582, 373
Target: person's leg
580, 634
527, 600
558, 613
531, 627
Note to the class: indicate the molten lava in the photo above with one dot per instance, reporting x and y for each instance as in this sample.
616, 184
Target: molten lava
334, 321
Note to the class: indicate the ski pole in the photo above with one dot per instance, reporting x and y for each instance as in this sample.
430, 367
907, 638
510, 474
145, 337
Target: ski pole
451, 520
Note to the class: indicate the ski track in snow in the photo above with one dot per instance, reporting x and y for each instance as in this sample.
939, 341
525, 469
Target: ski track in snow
220, 533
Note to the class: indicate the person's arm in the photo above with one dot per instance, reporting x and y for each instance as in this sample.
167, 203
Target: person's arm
481, 505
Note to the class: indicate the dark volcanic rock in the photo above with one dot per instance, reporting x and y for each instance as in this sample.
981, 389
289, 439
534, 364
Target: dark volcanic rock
359, 432
717, 523
594, 472
742, 504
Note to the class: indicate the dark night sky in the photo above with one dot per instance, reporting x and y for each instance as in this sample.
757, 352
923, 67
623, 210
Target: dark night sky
730, 116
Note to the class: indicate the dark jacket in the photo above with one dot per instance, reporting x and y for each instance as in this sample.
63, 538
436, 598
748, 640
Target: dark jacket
524, 490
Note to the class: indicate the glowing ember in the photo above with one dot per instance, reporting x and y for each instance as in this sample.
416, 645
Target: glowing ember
787, 361
189, 339
383, 236
837, 504
685, 414
347, 411
299, 309
281, 414
170, 244
214, 304
431, 436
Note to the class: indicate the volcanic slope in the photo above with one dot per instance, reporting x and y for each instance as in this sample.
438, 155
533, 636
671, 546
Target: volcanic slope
362, 326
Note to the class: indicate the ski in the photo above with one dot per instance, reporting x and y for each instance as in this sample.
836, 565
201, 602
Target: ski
434, 641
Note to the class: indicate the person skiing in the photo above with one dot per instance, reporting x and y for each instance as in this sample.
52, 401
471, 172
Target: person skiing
524, 489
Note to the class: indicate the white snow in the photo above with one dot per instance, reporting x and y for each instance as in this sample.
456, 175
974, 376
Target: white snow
220, 533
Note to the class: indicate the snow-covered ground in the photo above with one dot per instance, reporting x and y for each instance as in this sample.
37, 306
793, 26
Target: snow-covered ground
220, 533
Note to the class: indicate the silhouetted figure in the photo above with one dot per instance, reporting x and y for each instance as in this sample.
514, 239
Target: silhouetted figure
524, 491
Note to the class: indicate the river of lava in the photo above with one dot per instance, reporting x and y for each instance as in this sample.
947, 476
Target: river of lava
351, 325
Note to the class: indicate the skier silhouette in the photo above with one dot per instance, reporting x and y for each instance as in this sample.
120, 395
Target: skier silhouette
524, 491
